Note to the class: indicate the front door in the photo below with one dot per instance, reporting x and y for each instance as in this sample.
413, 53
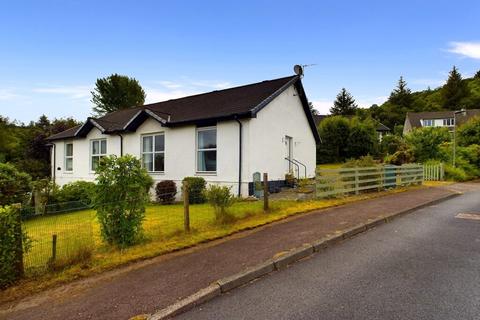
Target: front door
289, 152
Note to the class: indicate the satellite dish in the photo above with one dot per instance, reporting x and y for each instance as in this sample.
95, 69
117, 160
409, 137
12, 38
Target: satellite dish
298, 69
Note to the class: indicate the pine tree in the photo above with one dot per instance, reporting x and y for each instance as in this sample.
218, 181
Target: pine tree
477, 75
401, 96
454, 90
312, 109
344, 104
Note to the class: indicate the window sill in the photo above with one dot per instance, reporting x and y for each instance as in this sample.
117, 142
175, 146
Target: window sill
204, 173
68, 172
156, 172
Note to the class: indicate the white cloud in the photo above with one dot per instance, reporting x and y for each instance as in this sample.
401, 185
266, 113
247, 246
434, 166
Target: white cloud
323, 106
170, 84
72, 92
8, 94
466, 49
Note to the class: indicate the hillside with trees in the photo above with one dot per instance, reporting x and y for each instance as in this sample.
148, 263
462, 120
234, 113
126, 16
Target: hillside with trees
457, 93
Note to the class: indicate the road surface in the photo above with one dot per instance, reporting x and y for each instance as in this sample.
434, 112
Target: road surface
425, 265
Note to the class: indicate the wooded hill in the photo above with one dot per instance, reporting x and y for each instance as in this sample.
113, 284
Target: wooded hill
457, 93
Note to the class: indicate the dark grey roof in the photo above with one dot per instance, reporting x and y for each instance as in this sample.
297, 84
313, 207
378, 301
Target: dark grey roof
415, 117
234, 103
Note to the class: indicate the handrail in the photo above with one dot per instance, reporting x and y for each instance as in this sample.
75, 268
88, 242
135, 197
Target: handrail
298, 167
304, 166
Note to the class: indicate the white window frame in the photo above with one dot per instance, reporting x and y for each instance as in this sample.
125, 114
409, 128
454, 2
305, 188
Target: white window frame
153, 152
449, 122
197, 150
428, 122
100, 155
67, 157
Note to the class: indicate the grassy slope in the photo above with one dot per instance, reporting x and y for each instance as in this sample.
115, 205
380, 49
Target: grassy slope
163, 230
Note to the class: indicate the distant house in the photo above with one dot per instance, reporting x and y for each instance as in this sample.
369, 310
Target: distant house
224, 136
436, 119
381, 129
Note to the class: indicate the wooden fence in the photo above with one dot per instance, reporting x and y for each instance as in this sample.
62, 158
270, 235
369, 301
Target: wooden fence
433, 172
344, 181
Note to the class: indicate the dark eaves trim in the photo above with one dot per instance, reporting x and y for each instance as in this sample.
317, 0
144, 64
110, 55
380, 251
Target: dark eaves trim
98, 126
155, 116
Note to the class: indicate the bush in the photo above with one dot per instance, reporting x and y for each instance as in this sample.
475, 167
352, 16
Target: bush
10, 250
362, 162
455, 173
76, 191
391, 144
122, 193
220, 199
426, 143
196, 189
402, 156
14, 185
469, 133
166, 191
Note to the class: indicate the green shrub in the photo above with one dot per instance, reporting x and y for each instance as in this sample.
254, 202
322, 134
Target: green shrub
166, 191
196, 189
426, 143
362, 162
402, 156
10, 249
455, 173
391, 144
469, 133
76, 191
122, 193
220, 199
14, 185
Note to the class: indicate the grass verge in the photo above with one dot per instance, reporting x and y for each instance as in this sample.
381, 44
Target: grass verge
163, 233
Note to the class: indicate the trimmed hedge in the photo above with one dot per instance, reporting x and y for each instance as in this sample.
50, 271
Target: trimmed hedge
166, 191
196, 188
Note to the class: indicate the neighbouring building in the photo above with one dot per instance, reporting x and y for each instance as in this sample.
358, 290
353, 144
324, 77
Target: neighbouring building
224, 136
446, 119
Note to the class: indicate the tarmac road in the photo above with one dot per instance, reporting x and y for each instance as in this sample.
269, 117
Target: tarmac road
425, 265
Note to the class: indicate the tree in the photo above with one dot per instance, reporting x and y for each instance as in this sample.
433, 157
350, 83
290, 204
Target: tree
334, 132
477, 75
401, 96
312, 109
344, 104
116, 92
454, 90
14, 185
362, 139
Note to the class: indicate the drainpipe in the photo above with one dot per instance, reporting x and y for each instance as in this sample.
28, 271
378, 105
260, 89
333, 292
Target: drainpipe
240, 126
121, 144
53, 162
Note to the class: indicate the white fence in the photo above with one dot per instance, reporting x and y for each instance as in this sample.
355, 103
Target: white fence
433, 172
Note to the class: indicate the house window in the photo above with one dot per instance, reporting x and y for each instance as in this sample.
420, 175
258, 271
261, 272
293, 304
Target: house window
448, 122
428, 122
207, 149
69, 156
98, 150
153, 152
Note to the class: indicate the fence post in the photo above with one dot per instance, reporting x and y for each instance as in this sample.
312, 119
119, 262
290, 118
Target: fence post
442, 172
186, 207
20, 268
356, 181
265, 191
54, 248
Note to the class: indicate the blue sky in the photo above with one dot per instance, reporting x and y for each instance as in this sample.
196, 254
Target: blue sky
51, 52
